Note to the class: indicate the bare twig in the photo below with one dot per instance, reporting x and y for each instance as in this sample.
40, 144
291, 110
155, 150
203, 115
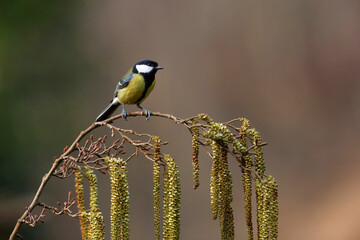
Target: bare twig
46, 178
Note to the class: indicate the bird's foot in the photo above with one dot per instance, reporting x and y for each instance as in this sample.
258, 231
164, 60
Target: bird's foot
124, 114
147, 112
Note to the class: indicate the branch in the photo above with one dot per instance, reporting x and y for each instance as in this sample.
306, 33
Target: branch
46, 178
69, 150
75, 146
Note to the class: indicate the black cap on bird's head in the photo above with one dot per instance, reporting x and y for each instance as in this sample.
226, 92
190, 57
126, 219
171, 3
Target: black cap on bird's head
146, 66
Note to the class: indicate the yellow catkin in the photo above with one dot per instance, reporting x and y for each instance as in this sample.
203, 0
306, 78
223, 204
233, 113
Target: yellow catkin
195, 154
166, 206
258, 157
259, 204
172, 195
96, 220
273, 208
246, 178
124, 201
156, 189
206, 118
227, 216
119, 212
219, 132
79, 189
115, 215
267, 205
245, 125
225, 197
263, 190
221, 190
214, 180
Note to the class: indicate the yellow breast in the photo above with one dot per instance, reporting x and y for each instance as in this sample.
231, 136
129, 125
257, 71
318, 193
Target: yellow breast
133, 91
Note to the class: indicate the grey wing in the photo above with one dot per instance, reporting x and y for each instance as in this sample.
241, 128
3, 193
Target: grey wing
123, 82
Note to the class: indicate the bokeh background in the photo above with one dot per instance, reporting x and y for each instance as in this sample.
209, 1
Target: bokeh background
291, 67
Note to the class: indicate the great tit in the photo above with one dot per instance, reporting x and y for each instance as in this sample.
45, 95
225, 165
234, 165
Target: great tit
133, 88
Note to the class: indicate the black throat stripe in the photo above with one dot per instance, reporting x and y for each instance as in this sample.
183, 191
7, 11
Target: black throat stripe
149, 79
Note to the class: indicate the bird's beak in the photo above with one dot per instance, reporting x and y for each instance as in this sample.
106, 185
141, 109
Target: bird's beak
159, 67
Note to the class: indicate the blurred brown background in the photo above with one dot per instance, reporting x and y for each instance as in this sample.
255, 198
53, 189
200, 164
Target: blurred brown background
291, 67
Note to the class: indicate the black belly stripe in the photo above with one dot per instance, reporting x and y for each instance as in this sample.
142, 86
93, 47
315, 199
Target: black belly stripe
149, 79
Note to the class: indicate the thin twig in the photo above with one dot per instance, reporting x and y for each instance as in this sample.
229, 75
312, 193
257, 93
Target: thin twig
46, 178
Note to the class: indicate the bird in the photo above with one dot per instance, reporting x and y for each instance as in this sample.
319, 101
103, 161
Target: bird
133, 88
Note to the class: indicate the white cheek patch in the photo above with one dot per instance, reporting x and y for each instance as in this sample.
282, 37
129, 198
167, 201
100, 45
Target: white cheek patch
144, 68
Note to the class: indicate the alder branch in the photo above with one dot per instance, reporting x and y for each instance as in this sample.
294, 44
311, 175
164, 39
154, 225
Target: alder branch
69, 150
69, 161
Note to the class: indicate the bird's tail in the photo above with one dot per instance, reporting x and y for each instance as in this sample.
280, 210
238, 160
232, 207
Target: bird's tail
109, 110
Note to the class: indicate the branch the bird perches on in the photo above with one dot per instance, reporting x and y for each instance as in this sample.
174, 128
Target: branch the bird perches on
225, 139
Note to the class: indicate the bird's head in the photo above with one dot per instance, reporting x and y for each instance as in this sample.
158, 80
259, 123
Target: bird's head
146, 66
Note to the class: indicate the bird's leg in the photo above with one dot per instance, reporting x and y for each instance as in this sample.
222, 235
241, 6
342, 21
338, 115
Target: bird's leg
147, 112
123, 112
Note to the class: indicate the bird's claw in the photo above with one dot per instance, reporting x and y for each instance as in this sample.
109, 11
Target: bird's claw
147, 114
